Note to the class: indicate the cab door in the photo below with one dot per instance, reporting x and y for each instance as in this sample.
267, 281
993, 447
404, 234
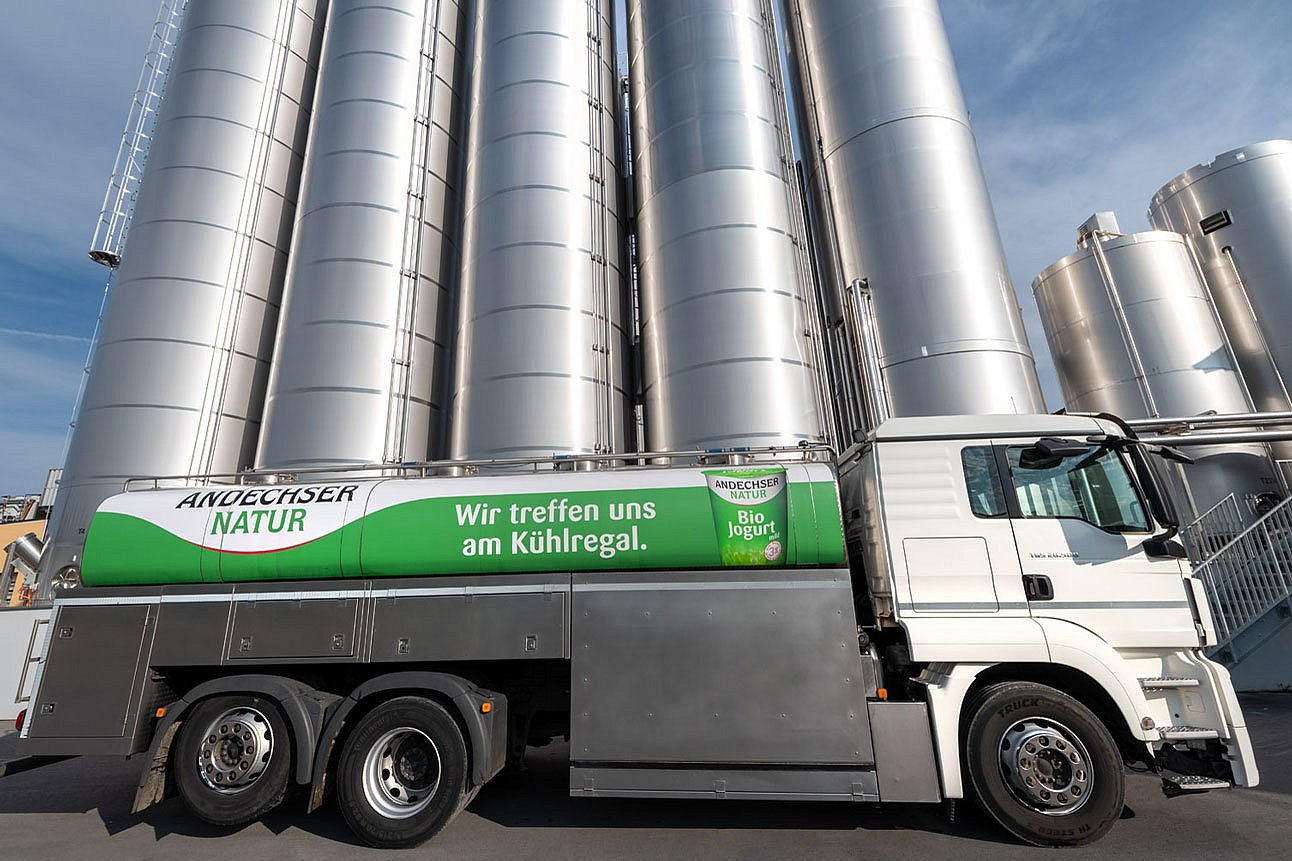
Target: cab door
1080, 522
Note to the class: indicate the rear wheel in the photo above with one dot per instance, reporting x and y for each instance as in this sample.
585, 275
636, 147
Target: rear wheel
1043, 765
402, 775
232, 759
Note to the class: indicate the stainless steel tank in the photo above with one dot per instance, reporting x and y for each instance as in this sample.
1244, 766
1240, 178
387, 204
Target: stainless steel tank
359, 371
727, 355
542, 352
178, 375
902, 205
1133, 332
1237, 213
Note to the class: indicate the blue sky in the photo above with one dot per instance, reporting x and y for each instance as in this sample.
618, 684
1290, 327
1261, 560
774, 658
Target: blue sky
1078, 105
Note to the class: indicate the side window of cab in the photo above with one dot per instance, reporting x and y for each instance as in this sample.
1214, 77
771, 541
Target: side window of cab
982, 480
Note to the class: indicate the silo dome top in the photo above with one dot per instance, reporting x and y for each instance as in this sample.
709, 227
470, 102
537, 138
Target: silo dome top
1221, 162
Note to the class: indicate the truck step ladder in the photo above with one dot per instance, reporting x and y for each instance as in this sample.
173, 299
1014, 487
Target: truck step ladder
1189, 784
1166, 683
1187, 733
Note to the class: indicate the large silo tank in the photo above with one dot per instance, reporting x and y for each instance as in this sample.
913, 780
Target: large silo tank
1237, 213
359, 372
900, 187
178, 376
1161, 354
542, 353
727, 360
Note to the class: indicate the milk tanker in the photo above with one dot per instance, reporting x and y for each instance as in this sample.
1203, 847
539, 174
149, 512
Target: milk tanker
955, 608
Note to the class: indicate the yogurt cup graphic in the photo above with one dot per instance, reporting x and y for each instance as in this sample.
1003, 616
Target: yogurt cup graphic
749, 514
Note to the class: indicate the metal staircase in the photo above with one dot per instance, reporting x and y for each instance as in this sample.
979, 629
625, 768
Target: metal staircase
1249, 583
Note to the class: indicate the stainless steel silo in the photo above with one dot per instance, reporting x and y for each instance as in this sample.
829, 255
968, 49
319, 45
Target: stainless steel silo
542, 352
727, 355
903, 207
178, 375
1237, 213
359, 371
1132, 332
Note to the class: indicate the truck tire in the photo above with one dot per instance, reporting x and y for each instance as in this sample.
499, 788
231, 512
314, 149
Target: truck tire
232, 759
1043, 765
402, 775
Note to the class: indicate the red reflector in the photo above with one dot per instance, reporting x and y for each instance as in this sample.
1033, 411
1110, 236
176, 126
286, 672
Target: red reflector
20, 720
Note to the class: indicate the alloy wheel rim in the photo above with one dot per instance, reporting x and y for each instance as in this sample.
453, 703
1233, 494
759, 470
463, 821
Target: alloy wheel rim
401, 772
235, 751
1046, 766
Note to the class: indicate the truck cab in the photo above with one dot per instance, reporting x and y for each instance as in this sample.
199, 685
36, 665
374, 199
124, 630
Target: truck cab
1036, 550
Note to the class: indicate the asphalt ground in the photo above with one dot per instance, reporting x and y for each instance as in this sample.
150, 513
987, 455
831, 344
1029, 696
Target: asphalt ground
81, 809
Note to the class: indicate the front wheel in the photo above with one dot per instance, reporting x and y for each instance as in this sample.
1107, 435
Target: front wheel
403, 773
1043, 765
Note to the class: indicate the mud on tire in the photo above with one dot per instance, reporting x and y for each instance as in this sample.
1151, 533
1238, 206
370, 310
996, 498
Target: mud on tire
232, 759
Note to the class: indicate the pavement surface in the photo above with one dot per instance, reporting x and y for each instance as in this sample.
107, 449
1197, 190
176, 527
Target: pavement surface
81, 809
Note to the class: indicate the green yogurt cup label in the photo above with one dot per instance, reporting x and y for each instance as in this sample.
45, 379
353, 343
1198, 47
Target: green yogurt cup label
749, 513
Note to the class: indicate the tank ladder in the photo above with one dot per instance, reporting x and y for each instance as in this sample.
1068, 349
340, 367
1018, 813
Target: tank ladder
119, 200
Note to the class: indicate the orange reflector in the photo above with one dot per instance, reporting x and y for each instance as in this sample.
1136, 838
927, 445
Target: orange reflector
161, 712
882, 693
485, 708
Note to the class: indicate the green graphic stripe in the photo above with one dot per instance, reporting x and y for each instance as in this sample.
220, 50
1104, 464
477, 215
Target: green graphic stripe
662, 528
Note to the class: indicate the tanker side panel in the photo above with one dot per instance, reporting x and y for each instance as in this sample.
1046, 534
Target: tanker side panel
649, 519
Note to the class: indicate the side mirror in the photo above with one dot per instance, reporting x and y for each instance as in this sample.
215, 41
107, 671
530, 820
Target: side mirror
1165, 548
1049, 452
1167, 452
1159, 501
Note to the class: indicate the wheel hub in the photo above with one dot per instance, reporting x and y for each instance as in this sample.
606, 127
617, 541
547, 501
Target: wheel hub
235, 751
401, 773
1046, 766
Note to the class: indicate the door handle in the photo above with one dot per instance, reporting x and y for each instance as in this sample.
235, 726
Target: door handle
1037, 587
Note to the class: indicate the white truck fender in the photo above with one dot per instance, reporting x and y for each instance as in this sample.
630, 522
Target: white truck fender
1076, 647
946, 686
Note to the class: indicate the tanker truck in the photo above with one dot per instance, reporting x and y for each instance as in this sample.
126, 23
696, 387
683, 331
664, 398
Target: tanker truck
973, 607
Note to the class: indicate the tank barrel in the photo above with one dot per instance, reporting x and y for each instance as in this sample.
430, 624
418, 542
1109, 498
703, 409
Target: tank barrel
900, 190
726, 291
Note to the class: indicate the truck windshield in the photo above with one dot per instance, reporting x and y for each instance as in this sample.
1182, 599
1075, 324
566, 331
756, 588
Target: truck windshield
1095, 487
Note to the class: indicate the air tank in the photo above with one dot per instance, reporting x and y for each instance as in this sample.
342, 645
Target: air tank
1237, 213
903, 207
178, 376
542, 351
724, 288
1132, 332
359, 373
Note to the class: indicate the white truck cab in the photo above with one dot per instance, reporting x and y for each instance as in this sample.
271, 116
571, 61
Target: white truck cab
1038, 549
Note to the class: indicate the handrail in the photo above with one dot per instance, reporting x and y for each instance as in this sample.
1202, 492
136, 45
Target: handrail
1251, 573
18, 697
1223, 521
448, 468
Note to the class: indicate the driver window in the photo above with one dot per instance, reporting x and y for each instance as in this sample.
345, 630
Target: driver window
1095, 487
